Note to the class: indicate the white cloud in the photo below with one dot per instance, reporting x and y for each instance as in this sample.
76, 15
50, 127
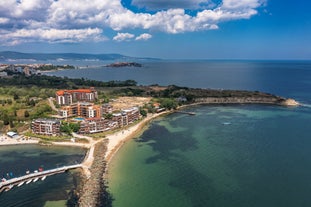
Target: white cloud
144, 36
52, 35
238, 4
4, 20
123, 37
85, 20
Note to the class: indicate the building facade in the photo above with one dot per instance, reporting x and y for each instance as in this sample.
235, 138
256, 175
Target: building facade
67, 97
81, 109
46, 127
95, 125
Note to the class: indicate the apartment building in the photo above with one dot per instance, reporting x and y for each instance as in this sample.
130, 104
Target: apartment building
107, 108
67, 97
127, 116
81, 109
46, 126
124, 118
95, 125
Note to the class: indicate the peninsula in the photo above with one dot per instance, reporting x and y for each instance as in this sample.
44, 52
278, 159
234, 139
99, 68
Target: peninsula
102, 118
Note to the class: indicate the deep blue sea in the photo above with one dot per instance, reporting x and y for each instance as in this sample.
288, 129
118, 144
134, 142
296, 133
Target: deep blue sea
224, 156
285, 78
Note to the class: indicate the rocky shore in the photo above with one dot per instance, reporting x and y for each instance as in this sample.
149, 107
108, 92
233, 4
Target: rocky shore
274, 100
94, 192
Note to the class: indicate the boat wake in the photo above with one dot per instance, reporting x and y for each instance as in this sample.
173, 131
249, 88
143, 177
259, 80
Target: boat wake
306, 105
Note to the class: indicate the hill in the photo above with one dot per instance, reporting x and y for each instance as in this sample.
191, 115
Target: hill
10, 55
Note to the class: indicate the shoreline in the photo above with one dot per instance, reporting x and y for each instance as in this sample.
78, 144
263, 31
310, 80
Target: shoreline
5, 141
116, 140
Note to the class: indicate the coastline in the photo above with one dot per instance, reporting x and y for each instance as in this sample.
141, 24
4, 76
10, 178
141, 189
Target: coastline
10, 141
116, 140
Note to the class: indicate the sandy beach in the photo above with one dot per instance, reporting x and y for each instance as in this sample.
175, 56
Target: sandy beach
4, 140
116, 140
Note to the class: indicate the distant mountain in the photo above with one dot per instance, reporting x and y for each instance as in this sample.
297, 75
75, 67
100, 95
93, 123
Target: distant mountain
10, 55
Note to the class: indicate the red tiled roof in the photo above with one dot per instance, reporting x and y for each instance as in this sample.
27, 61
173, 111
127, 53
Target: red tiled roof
61, 92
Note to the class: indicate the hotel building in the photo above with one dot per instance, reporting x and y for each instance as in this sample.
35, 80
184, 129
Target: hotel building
46, 126
81, 109
67, 97
94, 125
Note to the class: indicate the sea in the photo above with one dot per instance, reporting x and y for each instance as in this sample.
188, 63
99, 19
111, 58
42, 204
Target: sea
224, 155
55, 190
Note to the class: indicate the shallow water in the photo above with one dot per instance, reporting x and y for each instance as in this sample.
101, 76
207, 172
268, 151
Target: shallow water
54, 190
261, 158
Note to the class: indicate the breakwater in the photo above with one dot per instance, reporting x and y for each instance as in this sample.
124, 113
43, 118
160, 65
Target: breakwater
94, 189
274, 100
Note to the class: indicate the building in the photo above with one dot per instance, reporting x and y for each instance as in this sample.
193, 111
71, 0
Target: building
132, 114
12, 135
81, 109
107, 108
67, 97
124, 118
29, 71
95, 125
120, 119
46, 126
3, 74
127, 116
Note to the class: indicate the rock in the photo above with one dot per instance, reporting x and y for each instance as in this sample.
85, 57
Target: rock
290, 102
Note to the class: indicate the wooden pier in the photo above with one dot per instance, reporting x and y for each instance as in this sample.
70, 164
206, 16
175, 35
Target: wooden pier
32, 177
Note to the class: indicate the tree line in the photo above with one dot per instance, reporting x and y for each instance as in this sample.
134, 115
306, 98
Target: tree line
61, 82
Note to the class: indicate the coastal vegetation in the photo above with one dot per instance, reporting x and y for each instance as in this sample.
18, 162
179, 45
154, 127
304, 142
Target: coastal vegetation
124, 64
44, 81
23, 98
49, 67
19, 108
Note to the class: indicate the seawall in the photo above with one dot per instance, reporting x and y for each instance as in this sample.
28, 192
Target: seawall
247, 100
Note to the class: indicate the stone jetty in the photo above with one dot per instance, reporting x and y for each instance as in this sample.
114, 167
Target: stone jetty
94, 189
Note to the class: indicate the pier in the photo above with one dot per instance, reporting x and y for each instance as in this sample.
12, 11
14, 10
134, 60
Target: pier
32, 177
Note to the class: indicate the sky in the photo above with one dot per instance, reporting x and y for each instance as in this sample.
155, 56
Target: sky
169, 29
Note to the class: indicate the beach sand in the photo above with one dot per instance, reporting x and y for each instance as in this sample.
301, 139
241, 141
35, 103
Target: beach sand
116, 140
4, 140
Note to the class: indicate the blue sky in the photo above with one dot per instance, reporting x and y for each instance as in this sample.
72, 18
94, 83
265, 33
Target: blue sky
172, 29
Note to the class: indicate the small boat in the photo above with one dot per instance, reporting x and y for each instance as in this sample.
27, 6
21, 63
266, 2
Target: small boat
226, 123
43, 178
28, 181
27, 172
20, 184
35, 180
35, 171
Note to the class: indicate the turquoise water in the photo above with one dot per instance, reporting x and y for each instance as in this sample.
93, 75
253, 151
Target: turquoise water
54, 190
262, 158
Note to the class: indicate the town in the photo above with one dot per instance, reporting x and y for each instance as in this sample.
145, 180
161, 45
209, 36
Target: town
7, 70
78, 106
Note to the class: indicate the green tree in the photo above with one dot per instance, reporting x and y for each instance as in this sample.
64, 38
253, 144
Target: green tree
15, 96
168, 103
5, 119
65, 128
74, 127
143, 112
26, 114
11, 123
108, 116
